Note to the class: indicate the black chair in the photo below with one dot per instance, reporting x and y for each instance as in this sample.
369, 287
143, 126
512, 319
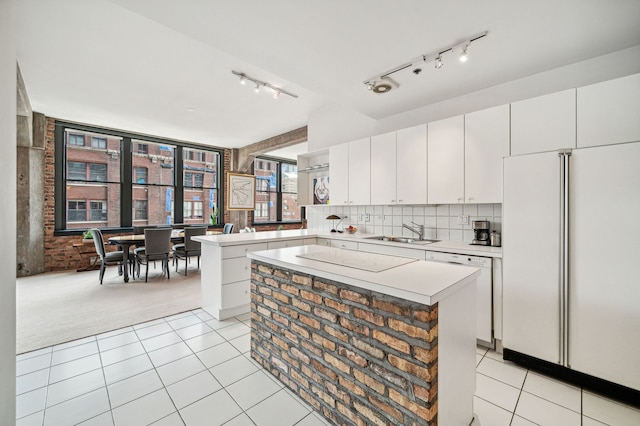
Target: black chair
157, 246
228, 228
189, 248
111, 258
137, 230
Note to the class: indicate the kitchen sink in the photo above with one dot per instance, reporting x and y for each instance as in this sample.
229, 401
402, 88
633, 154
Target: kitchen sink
407, 240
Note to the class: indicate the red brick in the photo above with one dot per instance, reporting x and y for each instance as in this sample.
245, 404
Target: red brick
311, 296
330, 303
423, 412
355, 297
301, 279
369, 381
352, 326
352, 356
413, 331
386, 408
367, 412
426, 374
369, 316
394, 308
325, 287
337, 363
425, 355
391, 341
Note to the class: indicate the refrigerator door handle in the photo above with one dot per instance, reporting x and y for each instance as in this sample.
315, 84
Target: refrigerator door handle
564, 256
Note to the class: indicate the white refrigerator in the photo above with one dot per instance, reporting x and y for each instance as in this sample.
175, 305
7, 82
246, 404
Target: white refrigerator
571, 260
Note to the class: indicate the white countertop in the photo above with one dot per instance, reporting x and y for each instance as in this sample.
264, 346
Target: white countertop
255, 237
261, 237
418, 281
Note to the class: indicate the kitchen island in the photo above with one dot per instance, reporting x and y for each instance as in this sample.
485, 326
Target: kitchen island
366, 338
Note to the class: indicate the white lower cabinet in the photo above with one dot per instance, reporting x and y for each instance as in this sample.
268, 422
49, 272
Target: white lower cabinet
226, 279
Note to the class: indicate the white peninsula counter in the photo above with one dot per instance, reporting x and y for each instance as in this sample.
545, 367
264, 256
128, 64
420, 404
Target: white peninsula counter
366, 337
226, 270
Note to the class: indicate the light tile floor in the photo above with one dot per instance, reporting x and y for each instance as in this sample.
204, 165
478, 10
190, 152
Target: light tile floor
190, 369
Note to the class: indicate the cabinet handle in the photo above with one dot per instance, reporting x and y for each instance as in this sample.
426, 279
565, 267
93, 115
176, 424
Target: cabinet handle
471, 198
400, 201
460, 198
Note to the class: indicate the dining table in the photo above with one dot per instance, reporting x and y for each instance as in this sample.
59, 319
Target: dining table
126, 241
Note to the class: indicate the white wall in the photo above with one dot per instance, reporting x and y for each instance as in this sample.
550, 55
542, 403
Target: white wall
8, 212
334, 124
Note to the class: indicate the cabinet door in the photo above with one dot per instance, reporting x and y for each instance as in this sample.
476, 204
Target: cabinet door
383, 169
609, 112
545, 123
486, 142
360, 172
339, 174
411, 169
445, 158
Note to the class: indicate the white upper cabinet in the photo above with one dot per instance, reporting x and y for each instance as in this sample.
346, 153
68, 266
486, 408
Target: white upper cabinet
486, 143
339, 174
609, 112
383, 169
360, 172
445, 159
545, 123
411, 169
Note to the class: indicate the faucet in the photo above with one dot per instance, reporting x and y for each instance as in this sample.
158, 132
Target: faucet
420, 230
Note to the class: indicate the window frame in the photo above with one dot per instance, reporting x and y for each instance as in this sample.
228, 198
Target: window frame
126, 173
279, 203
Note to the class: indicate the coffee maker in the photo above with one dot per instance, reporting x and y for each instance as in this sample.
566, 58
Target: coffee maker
481, 233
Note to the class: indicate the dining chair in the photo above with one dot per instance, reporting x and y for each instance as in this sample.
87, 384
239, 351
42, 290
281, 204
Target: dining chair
110, 258
228, 228
189, 248
157, 246
137, 230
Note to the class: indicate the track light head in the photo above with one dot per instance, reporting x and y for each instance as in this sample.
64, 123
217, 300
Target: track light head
257, 89
464, 54
438, 62
276, 94
243, 79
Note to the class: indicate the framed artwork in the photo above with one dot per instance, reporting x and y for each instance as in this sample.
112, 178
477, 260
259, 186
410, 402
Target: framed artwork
241, 191
321, 190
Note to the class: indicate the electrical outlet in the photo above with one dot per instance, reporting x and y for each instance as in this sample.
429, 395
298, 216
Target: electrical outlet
463, 220
367, 217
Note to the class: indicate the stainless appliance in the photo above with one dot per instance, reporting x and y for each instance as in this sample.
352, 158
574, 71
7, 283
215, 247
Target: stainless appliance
570, 300
484, 291
481, 233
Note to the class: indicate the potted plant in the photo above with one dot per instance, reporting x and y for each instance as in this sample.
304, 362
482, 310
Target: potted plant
87, 235
214, 216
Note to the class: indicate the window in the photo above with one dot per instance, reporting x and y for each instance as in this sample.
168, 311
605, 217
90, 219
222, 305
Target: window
98, 211
197, 209
98, 172
92, 186
140, 175
76, 139
76, 170
200, 171
141, 210
77, 211
98, 142
276, 191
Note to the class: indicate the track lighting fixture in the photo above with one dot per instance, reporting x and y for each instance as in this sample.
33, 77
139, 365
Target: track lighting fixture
382, 83
438, 62
258, 84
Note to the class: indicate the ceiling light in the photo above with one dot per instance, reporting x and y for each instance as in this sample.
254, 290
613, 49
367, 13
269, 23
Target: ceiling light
375, 84
464, 55
384, 85
258, 83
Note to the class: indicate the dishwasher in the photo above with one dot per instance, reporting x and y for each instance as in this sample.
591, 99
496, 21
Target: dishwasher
484, 291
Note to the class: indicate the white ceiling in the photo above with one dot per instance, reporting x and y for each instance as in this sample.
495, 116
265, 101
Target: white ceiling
141, 65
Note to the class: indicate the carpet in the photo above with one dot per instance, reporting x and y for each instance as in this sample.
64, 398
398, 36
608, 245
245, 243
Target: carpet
59, 307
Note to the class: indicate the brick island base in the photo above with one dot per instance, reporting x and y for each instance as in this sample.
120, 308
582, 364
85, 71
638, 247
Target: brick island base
356, 356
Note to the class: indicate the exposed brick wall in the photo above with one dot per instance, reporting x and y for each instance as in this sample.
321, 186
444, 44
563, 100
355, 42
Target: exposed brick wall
356, 356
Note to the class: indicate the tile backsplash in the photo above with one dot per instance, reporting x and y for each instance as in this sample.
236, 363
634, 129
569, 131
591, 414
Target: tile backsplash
440, 222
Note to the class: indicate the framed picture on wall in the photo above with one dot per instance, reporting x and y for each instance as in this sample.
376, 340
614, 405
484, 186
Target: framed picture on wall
321, 190
241, 191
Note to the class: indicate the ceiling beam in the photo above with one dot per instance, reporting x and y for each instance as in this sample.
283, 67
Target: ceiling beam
242, 158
